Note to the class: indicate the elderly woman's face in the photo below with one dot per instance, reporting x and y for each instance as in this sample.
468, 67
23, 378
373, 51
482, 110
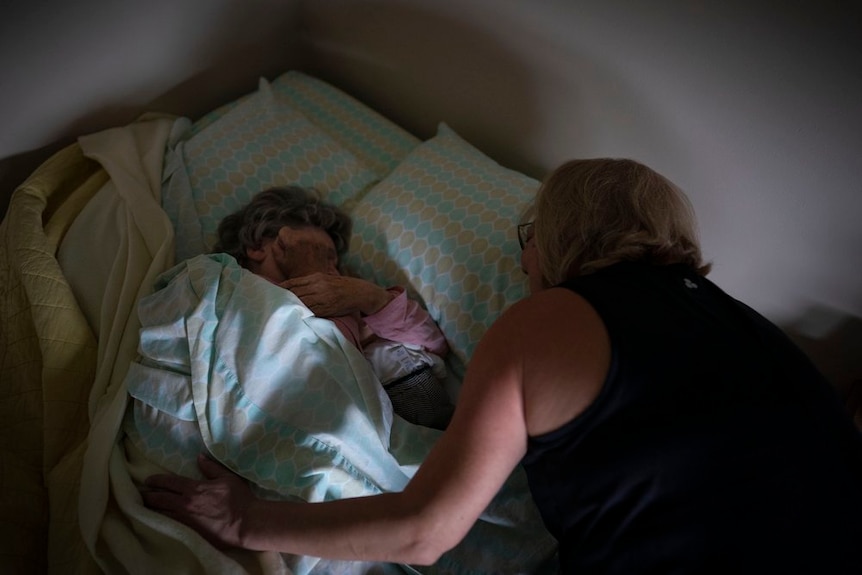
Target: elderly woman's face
294, 253
304, 251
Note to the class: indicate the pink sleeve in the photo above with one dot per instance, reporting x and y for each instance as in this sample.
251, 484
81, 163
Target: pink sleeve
403, 320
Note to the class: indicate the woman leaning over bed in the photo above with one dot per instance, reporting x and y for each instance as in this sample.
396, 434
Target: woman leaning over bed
664, 426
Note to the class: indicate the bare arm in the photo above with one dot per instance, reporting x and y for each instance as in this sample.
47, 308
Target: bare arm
225, 512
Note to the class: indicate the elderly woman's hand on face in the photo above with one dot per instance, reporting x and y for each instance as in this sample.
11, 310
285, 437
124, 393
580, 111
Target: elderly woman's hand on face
334, 295
213, 507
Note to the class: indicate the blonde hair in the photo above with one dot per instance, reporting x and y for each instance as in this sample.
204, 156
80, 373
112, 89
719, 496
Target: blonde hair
591, 214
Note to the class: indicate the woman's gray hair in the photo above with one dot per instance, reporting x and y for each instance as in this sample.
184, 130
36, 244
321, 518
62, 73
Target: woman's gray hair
591, 214
274, 208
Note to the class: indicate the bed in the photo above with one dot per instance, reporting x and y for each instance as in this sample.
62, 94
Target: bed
127, 348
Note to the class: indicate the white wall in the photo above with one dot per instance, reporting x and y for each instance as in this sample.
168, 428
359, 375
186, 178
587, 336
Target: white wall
68, 68
753, 108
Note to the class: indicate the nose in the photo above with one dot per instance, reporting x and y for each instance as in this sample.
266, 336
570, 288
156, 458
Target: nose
282, 237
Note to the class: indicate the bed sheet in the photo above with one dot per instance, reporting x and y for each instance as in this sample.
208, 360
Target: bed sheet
237, 367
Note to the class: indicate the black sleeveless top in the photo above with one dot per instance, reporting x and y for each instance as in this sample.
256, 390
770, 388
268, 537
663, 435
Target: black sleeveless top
714, 446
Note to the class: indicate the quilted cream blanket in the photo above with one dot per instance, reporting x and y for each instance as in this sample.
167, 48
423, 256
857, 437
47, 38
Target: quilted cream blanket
57, 382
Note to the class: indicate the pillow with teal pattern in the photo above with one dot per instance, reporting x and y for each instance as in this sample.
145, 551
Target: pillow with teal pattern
443, 224
377, 141
260, 142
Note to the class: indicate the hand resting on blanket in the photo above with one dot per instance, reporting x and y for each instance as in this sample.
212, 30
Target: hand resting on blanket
217, 507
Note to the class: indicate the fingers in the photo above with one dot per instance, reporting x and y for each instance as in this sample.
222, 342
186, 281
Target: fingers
325, 295
177, 484
309, 288
328, 295
309, 280
211, 468
170, 483
322, 280
163, 501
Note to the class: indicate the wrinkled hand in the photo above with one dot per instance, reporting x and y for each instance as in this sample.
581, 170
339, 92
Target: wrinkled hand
332, 296
213, 507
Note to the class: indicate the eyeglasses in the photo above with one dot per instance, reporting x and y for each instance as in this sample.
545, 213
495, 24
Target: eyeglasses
525, 234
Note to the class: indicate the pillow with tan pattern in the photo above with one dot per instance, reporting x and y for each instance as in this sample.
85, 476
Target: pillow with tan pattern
443, 223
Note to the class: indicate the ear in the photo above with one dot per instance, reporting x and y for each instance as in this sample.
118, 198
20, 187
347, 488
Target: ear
257, 255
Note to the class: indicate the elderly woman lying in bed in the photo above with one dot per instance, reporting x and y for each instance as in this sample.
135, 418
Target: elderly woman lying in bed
292, 238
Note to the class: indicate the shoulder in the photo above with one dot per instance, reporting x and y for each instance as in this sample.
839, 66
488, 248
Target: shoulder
557, 343
551, 313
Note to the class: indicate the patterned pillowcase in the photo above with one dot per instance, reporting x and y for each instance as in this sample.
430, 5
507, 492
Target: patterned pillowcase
375, 140
260, 142
443, 224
